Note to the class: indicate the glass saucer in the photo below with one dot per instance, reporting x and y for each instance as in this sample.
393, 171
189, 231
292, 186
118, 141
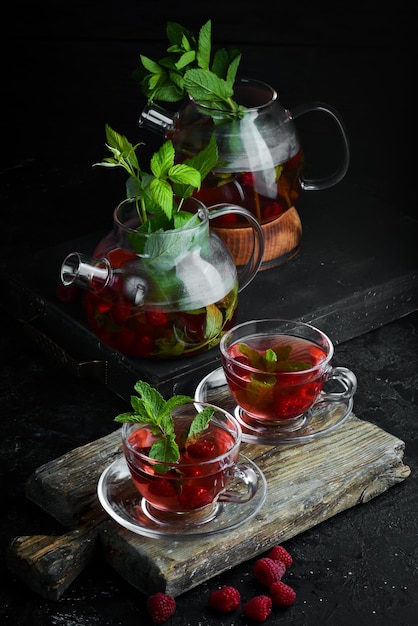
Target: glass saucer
319, 421
121, 500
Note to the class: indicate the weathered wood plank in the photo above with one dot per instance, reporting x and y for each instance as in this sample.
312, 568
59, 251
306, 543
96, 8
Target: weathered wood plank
66, 487
307, 484
48, 565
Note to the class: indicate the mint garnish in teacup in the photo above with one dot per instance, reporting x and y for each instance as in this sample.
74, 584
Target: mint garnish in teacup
150, 408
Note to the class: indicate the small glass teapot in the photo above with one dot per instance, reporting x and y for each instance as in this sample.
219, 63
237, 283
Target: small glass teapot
260, 167
173, 293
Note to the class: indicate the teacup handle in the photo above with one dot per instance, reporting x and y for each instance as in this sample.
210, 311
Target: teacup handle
246, 475
346, 379
249, 271
333, 179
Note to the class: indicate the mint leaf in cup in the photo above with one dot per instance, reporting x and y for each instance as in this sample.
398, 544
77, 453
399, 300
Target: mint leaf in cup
273, 359
150, 407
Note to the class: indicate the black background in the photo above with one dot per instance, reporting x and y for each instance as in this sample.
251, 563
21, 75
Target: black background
66, 71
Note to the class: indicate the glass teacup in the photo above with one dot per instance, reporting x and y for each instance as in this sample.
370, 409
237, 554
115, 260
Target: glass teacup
209, 472
278, 371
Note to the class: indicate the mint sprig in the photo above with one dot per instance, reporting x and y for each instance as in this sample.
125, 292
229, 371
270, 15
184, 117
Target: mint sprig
149, 407
161, 192
190, 70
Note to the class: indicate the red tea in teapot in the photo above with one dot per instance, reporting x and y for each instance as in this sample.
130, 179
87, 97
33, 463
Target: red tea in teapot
266, 193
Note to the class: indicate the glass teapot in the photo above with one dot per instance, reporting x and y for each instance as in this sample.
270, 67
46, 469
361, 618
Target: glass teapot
261, 164
164, 294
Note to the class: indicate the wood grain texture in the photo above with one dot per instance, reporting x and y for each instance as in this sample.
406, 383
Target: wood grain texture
307, 484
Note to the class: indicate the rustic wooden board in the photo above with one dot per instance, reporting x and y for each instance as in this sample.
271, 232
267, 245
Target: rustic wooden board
307, 484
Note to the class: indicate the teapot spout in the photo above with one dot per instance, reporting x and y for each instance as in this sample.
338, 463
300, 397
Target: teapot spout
96, 275
86, 272
159, 120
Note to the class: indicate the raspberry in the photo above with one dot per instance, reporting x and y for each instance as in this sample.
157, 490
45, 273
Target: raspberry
156, 318
278, 553
248, 179
272, 210
267, 571
160, 607
194, 497
258, 608
225, 600
282, 594
201, 449
163, 488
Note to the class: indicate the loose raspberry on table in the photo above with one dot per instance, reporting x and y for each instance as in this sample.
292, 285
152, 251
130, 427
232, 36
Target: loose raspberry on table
160, 607
267, 571
258, 608
281, 594
279, 553
225, 600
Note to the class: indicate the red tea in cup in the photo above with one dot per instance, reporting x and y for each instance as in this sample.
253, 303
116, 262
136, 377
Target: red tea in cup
278, 393
276, 369
203, 472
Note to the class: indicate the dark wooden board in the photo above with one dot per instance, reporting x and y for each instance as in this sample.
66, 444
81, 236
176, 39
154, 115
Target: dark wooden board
357, 270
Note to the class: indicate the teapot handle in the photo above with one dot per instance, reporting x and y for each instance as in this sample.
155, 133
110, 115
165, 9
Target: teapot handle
249, 271
338, 175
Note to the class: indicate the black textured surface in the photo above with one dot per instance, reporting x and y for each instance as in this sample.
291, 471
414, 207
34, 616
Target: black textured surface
66, 72
358, 567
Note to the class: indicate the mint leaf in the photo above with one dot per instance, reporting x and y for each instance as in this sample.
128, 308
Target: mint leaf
155, 192
204, 86
150, 400
163, 251
225, 64
149, 407
184, 218
271, 356
150, 65
233, 69
165, 449
184, 174
200, 422
254, 357
214, 321
204, 161
162, 160
176, 32
188, 55
186, 59
204, 46
162, 193
176, 401
134, 418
